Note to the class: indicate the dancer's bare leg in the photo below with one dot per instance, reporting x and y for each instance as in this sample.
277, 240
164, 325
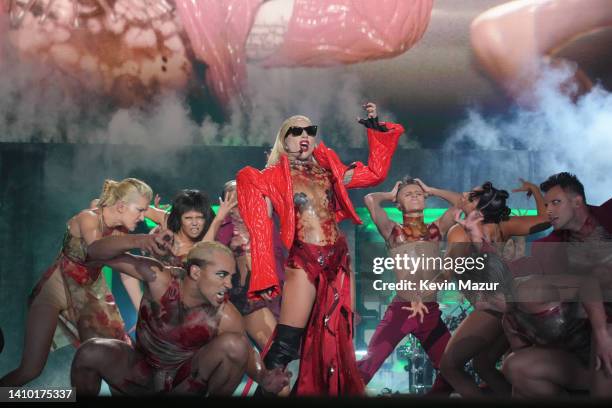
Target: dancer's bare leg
542, 372
104, 359
40, 328
474, 335
260, 325
222, 363
485, 364
601, 384
218, 367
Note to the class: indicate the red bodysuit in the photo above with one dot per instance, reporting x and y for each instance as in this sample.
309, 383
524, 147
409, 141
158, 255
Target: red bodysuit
327, 364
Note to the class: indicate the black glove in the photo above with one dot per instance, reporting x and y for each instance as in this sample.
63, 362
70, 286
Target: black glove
372, 123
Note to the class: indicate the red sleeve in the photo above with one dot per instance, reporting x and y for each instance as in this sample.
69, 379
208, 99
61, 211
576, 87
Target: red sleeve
382, 146
254, 212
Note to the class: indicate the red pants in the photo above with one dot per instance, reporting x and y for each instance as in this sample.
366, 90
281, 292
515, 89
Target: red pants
395, 325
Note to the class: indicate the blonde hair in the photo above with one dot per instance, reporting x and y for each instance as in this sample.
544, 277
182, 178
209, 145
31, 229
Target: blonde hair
203, 251
278, 149
230, 185
114, 191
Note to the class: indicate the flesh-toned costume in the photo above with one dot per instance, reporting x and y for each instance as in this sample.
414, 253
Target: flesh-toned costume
87, 307
168, 337
560, 326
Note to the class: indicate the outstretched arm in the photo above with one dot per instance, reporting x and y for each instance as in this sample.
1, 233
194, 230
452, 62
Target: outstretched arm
107, 248
139, 267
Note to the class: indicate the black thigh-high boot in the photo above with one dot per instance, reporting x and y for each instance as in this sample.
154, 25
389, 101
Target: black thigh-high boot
284, 349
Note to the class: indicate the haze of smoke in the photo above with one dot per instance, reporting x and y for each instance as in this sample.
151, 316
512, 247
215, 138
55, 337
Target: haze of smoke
41, 104
575, 136
330, 97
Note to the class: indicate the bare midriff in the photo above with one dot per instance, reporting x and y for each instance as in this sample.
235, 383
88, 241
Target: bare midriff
314, 201
415, 239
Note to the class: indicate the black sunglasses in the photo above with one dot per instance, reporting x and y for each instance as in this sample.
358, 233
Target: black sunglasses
297, 130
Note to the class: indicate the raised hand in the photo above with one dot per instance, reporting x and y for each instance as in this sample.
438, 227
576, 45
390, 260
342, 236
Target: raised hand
227, 205
159, 243
423, 186
472, 224
527, 187
394, 191
371, 122
370, 108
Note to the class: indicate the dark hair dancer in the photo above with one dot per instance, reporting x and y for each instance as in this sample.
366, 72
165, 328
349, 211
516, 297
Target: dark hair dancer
480, 336
581, 244
192, 220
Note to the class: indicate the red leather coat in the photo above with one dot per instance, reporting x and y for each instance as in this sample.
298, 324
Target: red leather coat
275, 183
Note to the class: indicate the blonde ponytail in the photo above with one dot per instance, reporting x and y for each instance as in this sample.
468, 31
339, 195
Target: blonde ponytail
127, 190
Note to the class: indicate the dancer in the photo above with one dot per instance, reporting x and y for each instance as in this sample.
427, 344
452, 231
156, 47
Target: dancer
587, 230
190, 340
191, 220
480, 336
549, 337
407, 314
307, 187
72, 295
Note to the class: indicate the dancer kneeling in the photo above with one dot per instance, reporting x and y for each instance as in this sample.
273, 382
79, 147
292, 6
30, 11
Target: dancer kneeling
190, 339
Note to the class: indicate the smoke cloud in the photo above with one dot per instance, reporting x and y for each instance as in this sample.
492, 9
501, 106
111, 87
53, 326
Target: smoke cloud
331, 97
574, 136
40, 104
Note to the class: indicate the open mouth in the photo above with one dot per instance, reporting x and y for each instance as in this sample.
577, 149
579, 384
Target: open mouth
304, 145
220, 296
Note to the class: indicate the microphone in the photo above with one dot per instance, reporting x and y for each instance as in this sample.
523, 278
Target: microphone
297, 151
